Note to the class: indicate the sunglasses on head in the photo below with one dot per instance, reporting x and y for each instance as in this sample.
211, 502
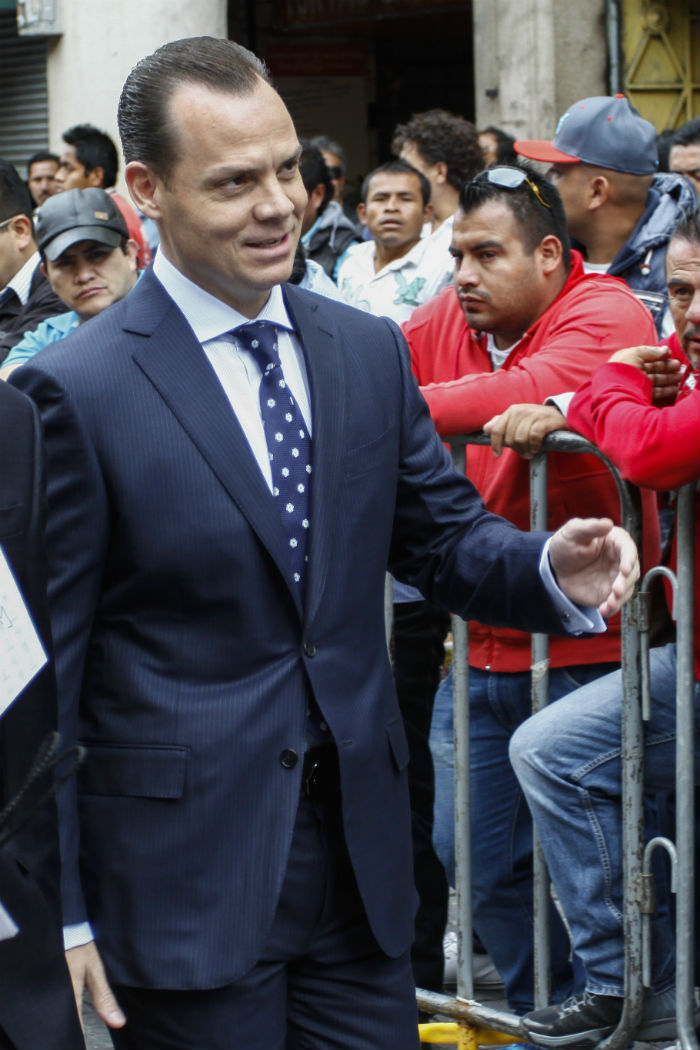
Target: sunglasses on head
510, 179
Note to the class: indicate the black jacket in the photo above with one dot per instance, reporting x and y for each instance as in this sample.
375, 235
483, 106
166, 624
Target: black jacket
16, 319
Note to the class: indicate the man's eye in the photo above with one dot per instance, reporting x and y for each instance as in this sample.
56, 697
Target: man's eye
682, 294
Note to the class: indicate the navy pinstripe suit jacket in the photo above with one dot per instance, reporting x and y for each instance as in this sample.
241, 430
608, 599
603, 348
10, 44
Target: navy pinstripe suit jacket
184, 659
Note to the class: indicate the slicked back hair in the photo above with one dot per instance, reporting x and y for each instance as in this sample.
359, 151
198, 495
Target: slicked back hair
535, 219
397, 167
94, 149
145, 126
15, 198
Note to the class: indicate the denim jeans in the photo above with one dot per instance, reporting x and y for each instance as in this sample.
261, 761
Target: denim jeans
501, 840
567, 759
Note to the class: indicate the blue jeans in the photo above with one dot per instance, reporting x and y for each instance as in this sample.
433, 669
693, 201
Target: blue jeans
501, 840
567, 759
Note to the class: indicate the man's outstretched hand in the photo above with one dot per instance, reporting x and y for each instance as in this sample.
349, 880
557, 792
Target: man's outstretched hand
595, 563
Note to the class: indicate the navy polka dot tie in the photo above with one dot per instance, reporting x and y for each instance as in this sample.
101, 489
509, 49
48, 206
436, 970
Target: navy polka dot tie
288, 442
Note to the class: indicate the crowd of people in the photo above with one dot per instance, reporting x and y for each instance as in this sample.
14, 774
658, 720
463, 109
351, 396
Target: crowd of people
226, 405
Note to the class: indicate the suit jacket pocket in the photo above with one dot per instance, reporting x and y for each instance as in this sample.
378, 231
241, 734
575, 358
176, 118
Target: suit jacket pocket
134, 770
398, 743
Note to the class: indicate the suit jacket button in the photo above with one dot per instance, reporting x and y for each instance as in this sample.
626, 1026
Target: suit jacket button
289, 758
309, 649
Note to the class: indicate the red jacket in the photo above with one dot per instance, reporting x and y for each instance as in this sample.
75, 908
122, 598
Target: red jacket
591, 318
652, 446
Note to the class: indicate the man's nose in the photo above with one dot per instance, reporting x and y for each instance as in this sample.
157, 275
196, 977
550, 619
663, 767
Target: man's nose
275, 201
465, 274
84, 271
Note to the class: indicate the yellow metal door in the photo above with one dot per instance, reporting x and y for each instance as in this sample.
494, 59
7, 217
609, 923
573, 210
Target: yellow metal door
661, 59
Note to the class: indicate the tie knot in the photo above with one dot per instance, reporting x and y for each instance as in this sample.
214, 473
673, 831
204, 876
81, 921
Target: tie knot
260, 340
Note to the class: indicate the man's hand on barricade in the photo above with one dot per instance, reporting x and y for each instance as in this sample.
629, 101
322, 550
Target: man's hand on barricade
595, 563
86, 971
664, 370
523, 428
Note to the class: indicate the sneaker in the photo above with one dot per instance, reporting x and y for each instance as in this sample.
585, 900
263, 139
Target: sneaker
584, 1020
485, 973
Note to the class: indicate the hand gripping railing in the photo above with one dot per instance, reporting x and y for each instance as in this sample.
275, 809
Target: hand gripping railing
480, 1024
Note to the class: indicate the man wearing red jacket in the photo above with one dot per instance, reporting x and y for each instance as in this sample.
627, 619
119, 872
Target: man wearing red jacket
568, 757
526, 323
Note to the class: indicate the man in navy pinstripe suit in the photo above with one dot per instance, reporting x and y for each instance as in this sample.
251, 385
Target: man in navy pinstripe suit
239, 841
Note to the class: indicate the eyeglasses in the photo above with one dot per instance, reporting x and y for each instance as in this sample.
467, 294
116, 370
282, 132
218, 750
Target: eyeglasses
6, 223
510, 179
334, 171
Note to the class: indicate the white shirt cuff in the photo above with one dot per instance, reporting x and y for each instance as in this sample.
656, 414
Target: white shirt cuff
577, 619
561, 401
76, 934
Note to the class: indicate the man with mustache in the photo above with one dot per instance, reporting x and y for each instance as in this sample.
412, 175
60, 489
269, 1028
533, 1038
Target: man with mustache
90, 262
522, 319
573, 789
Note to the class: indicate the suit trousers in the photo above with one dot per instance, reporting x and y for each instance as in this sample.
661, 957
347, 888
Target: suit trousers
321, 980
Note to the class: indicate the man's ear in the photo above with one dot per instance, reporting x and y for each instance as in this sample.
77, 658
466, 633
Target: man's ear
22, 231
131, 250
145, 187
317, 195
598, 191
440, 169
428, 213
551, 253
361, 213
96, 177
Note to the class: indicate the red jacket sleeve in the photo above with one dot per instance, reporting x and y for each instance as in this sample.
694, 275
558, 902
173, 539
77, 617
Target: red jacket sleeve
555, 356
658, 448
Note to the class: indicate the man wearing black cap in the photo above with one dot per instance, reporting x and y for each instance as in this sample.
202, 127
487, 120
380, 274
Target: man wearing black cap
89, 260
603, 161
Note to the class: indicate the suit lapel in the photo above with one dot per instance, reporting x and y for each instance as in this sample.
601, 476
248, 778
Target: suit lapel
175, 364
327, 379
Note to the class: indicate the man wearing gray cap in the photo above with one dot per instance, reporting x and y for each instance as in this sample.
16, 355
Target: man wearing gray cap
88, 258
603, 161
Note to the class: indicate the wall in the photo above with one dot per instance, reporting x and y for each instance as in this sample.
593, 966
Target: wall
100, 44
534, 58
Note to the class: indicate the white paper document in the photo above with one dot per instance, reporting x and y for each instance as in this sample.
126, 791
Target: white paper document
8, 926
21, 653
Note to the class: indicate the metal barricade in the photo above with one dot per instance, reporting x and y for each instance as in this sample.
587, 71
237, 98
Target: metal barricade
478, 1024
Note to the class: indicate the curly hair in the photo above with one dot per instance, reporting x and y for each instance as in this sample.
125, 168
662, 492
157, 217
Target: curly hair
440, 136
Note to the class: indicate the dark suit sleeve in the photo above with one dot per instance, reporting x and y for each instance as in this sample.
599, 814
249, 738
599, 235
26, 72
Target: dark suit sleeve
446, 543
76, 536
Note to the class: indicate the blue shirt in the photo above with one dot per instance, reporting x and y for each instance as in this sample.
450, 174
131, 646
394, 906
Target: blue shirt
49, 331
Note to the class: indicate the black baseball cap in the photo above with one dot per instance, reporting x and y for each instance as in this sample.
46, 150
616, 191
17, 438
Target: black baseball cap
78, 215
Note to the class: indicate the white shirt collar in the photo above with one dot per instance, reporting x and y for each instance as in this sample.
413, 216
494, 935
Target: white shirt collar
209, 317
22, 280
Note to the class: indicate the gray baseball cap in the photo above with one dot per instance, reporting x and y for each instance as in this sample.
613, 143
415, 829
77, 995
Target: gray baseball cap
78, 215
604, 131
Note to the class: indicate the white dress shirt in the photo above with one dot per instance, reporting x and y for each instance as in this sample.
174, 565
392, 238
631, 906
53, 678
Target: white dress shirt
212, 322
